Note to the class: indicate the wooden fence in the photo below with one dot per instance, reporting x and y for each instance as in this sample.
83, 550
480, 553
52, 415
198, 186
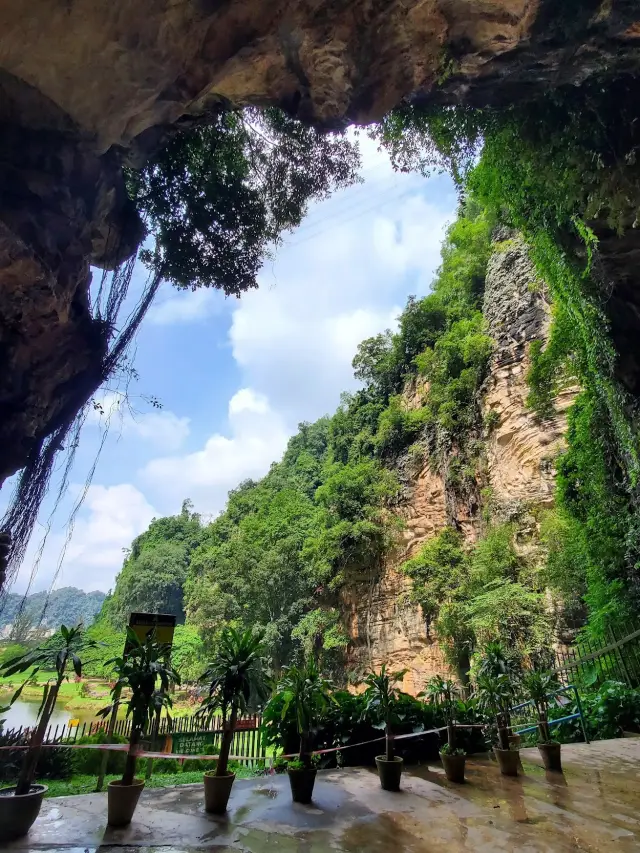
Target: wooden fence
614, 655
188, 735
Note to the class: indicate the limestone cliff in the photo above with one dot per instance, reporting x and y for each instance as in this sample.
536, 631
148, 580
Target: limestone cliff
384, 625
89, 85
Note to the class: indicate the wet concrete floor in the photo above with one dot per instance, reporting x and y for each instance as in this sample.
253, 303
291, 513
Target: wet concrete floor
593, 806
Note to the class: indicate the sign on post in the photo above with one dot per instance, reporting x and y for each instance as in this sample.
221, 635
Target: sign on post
164, 624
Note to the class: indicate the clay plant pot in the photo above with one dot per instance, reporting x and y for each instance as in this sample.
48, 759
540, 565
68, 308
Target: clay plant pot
302, 782
508, 760
217, 790
515, 741
389, 772
453, 766
550, 753
18, 813
122, 801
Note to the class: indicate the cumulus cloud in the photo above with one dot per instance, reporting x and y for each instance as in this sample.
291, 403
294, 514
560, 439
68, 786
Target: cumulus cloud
257, 436
111, 517
295, 336
159, 428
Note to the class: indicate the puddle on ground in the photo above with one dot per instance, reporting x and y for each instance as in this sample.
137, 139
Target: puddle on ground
272, 793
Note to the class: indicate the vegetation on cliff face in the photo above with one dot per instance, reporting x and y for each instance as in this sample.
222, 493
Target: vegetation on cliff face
561, 168
323, 517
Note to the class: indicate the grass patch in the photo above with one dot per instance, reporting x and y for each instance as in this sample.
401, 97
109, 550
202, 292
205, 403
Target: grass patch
82, 784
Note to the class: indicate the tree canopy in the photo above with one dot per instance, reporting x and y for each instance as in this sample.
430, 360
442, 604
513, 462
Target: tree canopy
215, 197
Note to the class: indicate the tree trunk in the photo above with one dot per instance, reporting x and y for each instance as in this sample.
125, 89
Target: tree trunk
543, 730
305, 754
228, 728
451, 735
30, 763
130, 767
503, 737
389, 744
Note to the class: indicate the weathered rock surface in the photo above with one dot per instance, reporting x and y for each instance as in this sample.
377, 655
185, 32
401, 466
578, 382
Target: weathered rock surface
88, 84
384, 625
520, 450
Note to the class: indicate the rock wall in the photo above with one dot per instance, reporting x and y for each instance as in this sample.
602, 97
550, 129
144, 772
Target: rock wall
384, 626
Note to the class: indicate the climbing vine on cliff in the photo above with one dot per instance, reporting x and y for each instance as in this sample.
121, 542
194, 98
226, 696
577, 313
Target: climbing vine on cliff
561, 168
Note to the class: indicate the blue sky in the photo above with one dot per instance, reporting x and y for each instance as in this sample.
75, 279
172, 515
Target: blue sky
235, 377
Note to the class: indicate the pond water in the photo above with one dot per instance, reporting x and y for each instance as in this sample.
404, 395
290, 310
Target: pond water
24, 713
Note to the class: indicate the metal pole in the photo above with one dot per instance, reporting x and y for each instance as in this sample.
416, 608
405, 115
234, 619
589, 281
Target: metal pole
581, 712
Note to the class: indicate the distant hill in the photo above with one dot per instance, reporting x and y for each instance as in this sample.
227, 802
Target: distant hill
67, 605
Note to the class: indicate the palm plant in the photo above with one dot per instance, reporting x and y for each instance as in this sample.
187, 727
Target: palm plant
495, 695
381, 698
541, 687
307, 694
235, 678
495, 661
443, 692
144, 666
60, 651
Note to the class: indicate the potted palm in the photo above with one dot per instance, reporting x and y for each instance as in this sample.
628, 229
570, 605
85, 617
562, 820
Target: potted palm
235, 678
145, 672
542, 688
495, 695
443, 692
20, 805
381, 698
496, 660
306, 696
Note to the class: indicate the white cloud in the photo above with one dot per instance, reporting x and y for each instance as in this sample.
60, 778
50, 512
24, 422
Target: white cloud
257, 437
186, 307
110, 518
160, 428
295, 336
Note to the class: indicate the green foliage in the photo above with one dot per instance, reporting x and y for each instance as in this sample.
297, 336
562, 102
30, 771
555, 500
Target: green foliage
541, 688
382, 699
551, 166
478, 595
235, 679
89, 761
321, 637
154, 573
56, 655
437, 571
188, 653
215, 197
306, 694
144, 671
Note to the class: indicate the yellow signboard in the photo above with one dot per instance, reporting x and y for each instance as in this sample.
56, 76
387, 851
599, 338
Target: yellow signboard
163, 623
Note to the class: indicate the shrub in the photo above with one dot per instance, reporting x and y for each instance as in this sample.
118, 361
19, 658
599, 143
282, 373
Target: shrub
89, 761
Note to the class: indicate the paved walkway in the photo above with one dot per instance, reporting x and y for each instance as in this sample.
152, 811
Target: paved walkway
593, 806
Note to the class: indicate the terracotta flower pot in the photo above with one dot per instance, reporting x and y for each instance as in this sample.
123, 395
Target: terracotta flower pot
550, 753
122, 801
302, 782
18, 813
453, 766
217, 790
389, 772
508, 760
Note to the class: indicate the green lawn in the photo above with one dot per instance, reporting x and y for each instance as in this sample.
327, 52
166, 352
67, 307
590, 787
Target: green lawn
87, 784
